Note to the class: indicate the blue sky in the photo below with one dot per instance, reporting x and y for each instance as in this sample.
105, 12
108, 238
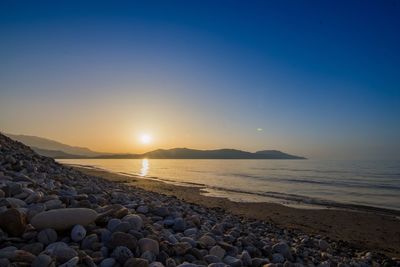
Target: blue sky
321, 78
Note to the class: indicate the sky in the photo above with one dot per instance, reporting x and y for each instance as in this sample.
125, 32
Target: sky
319, 79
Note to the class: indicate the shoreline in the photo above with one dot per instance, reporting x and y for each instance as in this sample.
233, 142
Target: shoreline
369, 230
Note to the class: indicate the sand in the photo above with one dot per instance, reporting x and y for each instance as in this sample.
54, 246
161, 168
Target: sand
370, 231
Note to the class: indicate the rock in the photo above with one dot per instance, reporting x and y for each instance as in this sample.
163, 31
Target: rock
43, 260
161, 211
136, 262
123, 239
190, 232
122, 227
232, 261
13, 222
112, 224
181, 248
217, 251
179, 225
207, 240
283, 249
217, 265
61, 251
122, 254
71, 263
156, 264
245, 258
89, 241
47, 236
61, 219
108, 262
14, 202
323, 245
143, 209
134, 220
147, 244
53, 204
78, 233
278, 258
5, 262
34, 248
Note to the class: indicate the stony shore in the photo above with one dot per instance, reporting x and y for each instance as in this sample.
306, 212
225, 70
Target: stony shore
51, 215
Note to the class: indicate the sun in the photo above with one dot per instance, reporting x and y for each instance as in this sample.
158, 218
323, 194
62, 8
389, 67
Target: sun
145, 139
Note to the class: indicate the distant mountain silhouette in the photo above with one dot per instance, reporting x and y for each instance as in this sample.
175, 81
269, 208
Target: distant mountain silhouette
186, 153
46, 144
54, 149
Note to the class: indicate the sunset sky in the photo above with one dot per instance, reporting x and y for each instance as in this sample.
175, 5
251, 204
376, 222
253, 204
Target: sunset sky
314, 78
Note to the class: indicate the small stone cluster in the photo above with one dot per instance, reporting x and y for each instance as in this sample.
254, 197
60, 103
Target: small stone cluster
52, 215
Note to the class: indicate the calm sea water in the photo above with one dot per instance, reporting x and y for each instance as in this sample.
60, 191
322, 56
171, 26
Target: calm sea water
291, 182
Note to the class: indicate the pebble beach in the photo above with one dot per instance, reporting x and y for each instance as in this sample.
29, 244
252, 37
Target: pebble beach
55, 215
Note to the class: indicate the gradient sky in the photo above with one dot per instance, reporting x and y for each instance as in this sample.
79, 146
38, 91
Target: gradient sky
320, 78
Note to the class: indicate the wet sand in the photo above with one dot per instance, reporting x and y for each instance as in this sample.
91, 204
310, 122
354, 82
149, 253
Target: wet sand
369, 231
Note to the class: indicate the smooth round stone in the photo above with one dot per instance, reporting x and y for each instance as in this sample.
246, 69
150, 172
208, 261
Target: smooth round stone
61, 219
217, 264
71, 263
13, 222
156, 264
143, 209
43, 260
123, 239
136, 262
217, 251
277, 258
88, 241
161, 211
147, 244
15, 202
112, 224
78, 233
181, 248
245, 258
61, 251
189, 240
122, 254
179, 225
190, 232
108, 262
207, 240
168, 222
211, 259
122, 227
232, 261
53, 204
47, 236
134, 220
34, 248
323, 245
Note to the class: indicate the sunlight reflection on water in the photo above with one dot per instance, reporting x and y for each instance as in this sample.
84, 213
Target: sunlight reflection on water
145, 167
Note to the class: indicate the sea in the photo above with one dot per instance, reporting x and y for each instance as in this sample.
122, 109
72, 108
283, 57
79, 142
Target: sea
299, 183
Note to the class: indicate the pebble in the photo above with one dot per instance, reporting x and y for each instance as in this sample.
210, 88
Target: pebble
147, 244
43, 260
78, 233
61, 219
47, 236
122, 254
108, 262
13, 222
134, 220
217, 251
123, 239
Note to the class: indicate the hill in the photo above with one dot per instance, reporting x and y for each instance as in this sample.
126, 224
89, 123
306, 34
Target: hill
50, 147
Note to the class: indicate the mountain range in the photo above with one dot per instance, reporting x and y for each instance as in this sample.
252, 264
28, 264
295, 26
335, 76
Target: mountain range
54, 149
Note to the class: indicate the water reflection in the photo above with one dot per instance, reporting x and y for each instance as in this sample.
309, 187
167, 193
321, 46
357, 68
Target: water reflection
145, 167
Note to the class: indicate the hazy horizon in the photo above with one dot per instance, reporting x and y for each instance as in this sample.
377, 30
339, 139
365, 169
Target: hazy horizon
315, 79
